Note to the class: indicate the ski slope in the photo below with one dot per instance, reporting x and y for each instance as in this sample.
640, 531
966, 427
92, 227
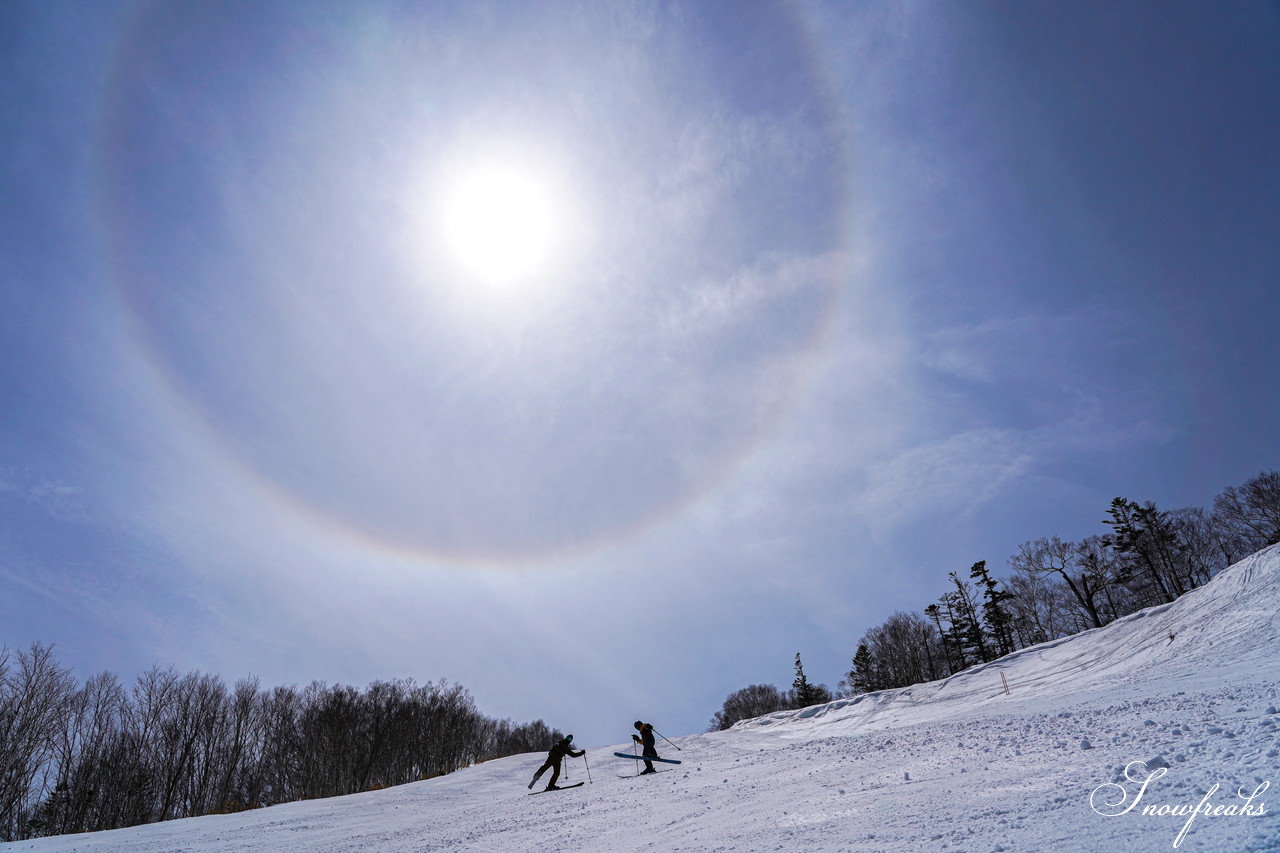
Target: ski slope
1189, 688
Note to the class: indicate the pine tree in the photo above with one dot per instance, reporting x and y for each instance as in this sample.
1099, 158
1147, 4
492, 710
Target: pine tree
804, 694
997, 618
966, 629
1144, 535
862, 678
934, 612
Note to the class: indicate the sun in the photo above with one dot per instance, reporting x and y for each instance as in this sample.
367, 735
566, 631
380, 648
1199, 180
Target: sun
501, 224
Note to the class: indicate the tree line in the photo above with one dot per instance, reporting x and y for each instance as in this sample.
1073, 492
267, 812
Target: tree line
756, 700
93, 756
1144, 556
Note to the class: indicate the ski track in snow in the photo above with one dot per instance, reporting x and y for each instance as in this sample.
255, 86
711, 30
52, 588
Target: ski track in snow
954, 765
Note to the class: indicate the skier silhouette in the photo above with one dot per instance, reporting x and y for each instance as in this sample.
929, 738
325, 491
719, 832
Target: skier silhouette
646, 738
558, 751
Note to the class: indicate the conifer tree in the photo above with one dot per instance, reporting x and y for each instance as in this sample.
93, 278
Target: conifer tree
996, 616
1144, 535
862, 679
966, 629
934, 612
803, 693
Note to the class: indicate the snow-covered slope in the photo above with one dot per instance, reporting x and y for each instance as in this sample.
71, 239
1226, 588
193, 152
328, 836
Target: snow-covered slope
956, 765
1227, 630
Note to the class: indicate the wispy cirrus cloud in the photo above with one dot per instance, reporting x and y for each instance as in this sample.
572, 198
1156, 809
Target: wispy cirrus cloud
955, 475
54, 498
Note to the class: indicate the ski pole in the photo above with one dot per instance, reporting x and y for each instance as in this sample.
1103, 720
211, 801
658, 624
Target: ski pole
664, 737
588, 766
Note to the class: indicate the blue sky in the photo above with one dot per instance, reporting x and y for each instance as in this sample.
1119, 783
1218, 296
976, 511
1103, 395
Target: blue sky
832, 299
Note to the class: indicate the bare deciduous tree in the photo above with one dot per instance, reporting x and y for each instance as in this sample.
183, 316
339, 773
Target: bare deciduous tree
35, 706
1249, 515
100, 757
752, 701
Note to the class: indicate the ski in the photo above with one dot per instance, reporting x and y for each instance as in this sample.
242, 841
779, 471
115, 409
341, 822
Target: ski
558, 788
644, 758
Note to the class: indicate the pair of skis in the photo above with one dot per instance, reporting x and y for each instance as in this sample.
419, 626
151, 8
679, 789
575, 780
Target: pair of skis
639, 758
558, 788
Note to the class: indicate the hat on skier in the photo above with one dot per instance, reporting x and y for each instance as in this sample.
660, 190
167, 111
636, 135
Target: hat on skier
568, 738
639, 724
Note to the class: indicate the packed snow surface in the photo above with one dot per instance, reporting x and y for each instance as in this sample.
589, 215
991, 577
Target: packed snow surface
1188, 689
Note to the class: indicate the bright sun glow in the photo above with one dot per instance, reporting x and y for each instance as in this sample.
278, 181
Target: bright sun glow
500, 223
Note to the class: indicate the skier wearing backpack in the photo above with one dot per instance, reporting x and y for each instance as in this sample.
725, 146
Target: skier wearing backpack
646, 739
558, 751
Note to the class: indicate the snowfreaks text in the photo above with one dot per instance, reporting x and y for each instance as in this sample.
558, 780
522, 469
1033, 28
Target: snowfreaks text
1111, 800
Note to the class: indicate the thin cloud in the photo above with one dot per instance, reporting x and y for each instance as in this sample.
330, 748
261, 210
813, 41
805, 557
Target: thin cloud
956, 475
63, 501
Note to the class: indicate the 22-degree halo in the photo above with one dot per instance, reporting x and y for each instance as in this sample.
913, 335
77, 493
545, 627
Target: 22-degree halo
296, 482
